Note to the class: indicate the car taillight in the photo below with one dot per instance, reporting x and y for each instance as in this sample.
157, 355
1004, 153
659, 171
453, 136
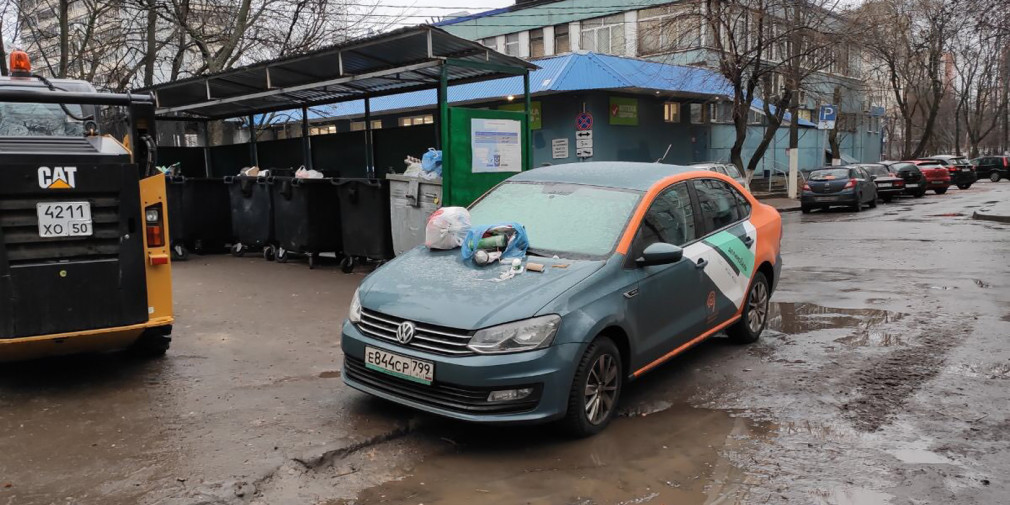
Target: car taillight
851, 184
806, 187
155, 226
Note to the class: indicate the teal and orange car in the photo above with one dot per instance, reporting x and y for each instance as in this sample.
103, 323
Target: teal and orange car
641, 262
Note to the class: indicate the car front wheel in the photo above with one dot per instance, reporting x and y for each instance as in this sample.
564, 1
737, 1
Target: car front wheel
940, 191
755, 313
592, 401
994, 177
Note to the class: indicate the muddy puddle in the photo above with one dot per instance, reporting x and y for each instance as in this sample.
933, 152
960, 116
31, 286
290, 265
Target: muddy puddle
672, 456
796, 318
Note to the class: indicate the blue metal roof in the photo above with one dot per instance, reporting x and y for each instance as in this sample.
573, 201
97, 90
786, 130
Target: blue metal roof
569, 72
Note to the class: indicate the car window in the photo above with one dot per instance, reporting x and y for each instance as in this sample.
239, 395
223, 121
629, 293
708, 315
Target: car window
741, 202
733, 172
670, 219
570, 220
718, 205
877, 170
829, 174
856, 173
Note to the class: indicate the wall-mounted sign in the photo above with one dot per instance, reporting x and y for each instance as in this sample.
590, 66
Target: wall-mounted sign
623, 111
536, 112
559, 149
584, 121
495, 144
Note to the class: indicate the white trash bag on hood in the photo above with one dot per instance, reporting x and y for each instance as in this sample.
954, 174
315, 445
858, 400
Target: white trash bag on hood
447, 227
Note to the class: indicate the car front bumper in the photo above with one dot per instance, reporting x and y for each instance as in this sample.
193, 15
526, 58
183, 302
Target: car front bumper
460, 382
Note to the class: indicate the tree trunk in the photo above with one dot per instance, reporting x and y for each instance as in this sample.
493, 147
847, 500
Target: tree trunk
64, 14
151, 52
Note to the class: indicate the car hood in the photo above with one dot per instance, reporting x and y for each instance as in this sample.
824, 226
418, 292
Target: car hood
440, 288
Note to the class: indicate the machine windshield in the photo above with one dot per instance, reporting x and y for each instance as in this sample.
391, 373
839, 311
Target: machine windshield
39, 120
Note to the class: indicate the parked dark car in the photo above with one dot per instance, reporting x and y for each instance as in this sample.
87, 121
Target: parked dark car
888, 184
827, 187
915, 181
937, 175
993, 167
962, 173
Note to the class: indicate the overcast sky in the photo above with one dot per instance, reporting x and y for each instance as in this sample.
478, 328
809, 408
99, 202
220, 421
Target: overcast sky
420, 11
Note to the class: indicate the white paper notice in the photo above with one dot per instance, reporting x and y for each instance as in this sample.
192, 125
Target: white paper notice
495, 144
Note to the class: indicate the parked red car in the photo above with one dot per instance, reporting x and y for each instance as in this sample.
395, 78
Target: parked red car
937, 176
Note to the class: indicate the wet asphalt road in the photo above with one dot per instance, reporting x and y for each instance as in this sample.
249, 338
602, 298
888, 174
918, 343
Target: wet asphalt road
883, 379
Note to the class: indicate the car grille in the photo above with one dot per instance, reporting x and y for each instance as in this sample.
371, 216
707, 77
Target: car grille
447, 396
436, 339
20, 225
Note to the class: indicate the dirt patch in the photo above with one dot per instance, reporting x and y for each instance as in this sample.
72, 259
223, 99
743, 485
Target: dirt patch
885, 383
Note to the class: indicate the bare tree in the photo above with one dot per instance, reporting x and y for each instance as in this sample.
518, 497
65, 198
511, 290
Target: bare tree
769, 51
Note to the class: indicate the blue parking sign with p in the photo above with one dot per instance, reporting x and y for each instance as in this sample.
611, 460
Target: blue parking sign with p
828, 113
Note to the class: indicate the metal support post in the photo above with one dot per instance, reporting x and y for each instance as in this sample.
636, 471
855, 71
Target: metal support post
306, 140
253, 154
528, 134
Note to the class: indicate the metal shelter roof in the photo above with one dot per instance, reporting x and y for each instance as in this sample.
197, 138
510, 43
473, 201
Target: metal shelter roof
578, 71
398, 61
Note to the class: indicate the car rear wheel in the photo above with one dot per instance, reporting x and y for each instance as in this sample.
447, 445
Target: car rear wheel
940, 191
873, 203
920, 194
887, 198
994, 177
858, 206
805, 209
596, 389
754, 317
963, 186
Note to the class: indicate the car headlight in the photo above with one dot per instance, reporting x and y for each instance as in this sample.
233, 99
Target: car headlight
354, 313
524, 335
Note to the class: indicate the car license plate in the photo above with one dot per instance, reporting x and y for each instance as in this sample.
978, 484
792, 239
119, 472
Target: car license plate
966, 170
411, 369
827, 198
885, 184
64, 219
911, 185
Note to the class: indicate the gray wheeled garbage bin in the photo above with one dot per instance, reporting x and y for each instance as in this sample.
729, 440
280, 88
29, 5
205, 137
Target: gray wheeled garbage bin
412, 200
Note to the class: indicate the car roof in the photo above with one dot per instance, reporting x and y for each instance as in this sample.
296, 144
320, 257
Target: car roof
607, 174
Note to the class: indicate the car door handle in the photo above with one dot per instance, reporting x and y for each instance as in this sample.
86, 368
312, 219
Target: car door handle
701, 264
748, 241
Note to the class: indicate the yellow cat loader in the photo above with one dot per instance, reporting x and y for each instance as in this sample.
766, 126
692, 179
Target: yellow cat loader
84, 260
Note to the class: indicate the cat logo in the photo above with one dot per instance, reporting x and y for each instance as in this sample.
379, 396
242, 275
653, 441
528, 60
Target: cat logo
57, 177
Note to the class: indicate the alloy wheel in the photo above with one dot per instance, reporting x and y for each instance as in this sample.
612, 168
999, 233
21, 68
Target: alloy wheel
601, 388
758, 309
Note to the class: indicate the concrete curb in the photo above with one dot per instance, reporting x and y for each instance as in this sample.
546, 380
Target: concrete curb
985, 216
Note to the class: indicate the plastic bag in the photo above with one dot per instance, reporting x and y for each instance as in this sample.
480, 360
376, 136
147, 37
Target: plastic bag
432, 161
302, 173
447, 227
413, 166
513, 243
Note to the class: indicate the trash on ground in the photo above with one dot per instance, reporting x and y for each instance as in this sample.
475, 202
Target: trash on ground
447, 228
535, 267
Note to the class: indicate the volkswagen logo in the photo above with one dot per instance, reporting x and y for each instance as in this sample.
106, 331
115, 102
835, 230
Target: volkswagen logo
405, 332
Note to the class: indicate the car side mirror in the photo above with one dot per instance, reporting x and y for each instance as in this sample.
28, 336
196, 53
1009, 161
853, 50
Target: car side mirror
873, 177
660, 253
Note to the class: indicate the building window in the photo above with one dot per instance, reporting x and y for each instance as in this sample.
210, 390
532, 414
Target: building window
536, 43
417, 120
561, 42
805, 114
671, 112
322, 130
357, 126
604, 35
668, 28
491, 42
698, 115
722, 112
754, 117
512, 44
